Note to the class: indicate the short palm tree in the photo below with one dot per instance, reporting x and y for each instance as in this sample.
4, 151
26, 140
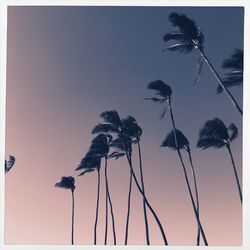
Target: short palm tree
8, 164
189, 37
91, 163
215, 134
164, 95
113, 124
183, 143
235, 76
69, 183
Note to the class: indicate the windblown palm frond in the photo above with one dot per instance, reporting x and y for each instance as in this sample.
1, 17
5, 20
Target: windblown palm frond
122, 143
214, 134
111, 117
187, 34
161, 88
235, 76
105, 128
181, 140
90, 161
86, 171
131, 129
116, 155
233, 132
9, 163
66, 182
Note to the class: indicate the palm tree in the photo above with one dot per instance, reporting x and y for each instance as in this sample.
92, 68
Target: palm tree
235, 76
88, 164
183, 143
8, 164
215, 134
69, 183
113, 124
164, 93
189, 37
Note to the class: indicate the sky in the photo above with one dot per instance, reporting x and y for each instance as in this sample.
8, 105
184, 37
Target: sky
65, 66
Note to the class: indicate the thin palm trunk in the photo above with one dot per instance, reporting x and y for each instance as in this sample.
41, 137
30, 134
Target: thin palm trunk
73, 214
97, 206
146, 200
230, 96
143, 189
235, 172
128, 211
196, 196
186, 177
106, 205
110, 202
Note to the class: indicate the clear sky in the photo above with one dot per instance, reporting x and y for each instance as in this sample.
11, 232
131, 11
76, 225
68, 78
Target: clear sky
66, 65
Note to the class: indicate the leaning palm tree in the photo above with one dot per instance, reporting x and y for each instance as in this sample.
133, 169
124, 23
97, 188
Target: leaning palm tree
189, 37
164, 95
91, 163
113, 124
183, 143
235, 76
69, 183
8, 164
215, 134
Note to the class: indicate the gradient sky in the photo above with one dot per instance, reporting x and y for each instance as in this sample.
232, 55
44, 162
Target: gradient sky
66, 65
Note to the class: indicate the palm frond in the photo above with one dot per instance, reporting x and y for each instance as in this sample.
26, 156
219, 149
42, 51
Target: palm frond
122, 143
163, 113
111, 117
9, 163
205, 143
169, 141
233, 131
200, 66
235, 61
86, 171
105, 128
182, 48
67, 182
90, 161
172, 36
130, 128
161, 88
154, 99
116, 155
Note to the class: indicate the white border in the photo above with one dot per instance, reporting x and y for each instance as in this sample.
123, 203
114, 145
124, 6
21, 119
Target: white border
246, 103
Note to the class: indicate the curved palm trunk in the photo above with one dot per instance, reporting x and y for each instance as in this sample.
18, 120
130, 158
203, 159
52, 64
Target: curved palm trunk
143, 189
230, 96
186, 177
235, 172
106, 206
196, 196
128, 211
110, 202
97, 206
146, 200
73, 214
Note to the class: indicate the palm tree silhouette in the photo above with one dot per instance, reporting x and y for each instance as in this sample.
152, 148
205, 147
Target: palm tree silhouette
235, 65
183, 143
88, 164
69, 183
215, 134
164, 93
189, 37
113, 124
100, 146
8, 164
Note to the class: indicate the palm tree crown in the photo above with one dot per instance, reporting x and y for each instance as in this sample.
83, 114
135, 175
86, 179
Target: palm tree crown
235, 76
67, 182
8, 164
215, 134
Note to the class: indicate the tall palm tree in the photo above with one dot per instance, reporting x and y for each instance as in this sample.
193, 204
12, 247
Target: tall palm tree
215, 134
69, 183
8, 164
113, 124
235, 76
88, 164
164, 94
189, 37
183, 143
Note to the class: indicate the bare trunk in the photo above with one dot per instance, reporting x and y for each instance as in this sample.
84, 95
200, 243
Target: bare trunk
186, 177
143, 189
235, 172
73, 214
97, 206
214, 72
106, 205
196, 196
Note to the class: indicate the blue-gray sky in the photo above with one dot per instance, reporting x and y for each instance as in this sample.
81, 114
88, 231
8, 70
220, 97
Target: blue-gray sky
65, 66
